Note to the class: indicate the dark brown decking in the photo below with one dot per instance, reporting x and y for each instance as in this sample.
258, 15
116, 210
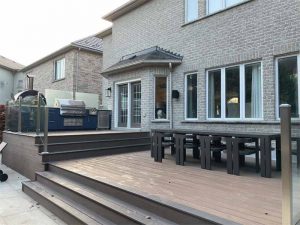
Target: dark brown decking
246, 199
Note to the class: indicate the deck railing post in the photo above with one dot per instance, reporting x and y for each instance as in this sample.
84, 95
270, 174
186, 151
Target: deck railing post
46, 130
286, 162
20, 115
38, 115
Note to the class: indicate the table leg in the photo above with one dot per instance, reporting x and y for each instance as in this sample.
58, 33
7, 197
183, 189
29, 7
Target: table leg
207, 153
177, 147
182, 150
202, 151
155, 146
278, 154
229, 155
298, 153
235, 156
159, 148
262, 156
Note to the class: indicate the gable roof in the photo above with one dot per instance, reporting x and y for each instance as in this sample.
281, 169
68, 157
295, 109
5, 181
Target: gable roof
122, 10
147, 57
91, 43
10, 64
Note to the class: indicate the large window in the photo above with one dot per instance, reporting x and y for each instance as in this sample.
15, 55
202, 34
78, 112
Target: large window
59, 69
217, 5
288, 84
191, 10
161, 97
191, 96
235, 92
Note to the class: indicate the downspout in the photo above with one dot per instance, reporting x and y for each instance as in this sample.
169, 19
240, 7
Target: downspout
76, 75
171, 101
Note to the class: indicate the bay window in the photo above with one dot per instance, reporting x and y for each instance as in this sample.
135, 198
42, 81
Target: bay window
288, 83
191, 10
191, 96
217, 5
235, 92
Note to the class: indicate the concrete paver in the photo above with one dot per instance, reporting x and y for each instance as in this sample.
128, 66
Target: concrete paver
16, 208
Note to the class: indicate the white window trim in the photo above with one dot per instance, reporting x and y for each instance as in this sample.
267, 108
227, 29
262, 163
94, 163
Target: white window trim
185, 96
277, 83
116, 103
224, 7
167, 95
242, 94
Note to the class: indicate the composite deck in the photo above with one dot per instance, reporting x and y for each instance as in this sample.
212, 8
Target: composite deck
246, 199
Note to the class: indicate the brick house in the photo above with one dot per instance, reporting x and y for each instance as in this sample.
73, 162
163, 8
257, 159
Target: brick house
71, 72
11, 79
194, 63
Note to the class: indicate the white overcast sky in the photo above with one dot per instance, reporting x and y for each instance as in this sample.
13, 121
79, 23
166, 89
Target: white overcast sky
32, 29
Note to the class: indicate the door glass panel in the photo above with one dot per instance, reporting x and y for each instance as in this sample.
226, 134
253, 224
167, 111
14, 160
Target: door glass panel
191, 96
136, 104
123, 105
233, 92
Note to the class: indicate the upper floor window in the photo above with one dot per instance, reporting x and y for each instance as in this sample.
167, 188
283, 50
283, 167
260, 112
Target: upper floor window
217, 5
288, 69
59, 69
191, 10
235, 92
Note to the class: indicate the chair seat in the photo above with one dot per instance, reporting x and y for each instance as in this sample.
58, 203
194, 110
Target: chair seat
247, 151
167, 143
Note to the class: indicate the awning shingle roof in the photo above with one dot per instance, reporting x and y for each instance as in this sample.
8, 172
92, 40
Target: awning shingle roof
151, 56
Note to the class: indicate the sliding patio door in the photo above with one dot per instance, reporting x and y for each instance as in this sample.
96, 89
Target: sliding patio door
129, 105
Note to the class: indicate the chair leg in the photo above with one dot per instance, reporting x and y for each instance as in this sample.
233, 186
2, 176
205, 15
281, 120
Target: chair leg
242, 160
162, 152
257, 161
172, 150
196, 153
217, 156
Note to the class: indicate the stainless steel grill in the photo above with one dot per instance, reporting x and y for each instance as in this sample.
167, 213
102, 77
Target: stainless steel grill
70, 107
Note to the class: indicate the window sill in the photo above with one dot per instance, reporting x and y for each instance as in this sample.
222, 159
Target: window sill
275, 122
215, 13
160, 121
54, 81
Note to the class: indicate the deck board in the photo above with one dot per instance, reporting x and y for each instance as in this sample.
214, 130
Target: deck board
246, 199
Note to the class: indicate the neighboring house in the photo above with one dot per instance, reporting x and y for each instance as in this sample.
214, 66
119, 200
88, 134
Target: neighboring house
232, 62
11, 79
72, 72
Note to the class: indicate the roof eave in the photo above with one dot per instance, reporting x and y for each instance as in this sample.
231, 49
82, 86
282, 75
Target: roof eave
104, 33
86, 48
122, 10
140, 64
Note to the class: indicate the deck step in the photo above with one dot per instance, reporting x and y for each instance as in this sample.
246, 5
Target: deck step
107, 206
60, 206
148, 206
94, 144
98, 151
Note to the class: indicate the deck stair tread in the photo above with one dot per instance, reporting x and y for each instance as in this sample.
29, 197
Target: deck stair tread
95, 149
117, 205
93, 141
64, 204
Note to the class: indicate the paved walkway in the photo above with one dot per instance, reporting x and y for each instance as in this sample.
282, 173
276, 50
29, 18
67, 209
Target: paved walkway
17, 208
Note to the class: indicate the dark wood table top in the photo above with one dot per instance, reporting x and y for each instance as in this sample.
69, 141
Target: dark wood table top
219, 133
